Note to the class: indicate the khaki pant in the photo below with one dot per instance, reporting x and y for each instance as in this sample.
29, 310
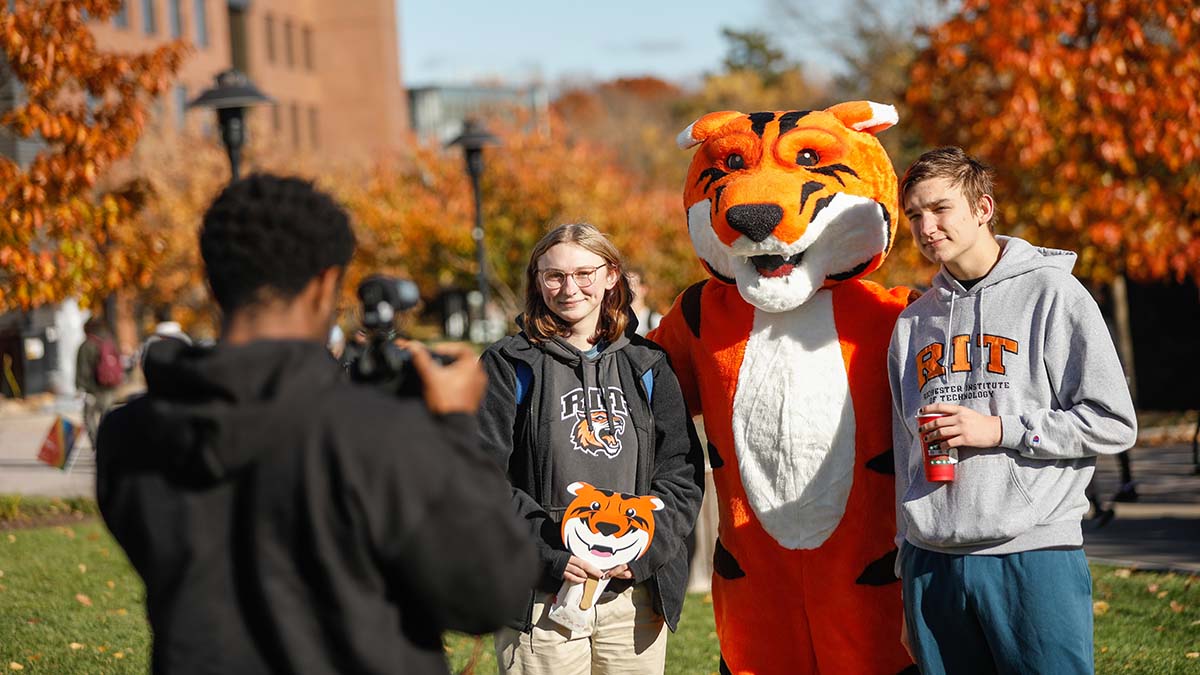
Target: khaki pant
95, 406
627, 636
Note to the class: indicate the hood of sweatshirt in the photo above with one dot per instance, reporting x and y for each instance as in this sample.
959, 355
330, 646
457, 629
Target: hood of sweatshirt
208, 410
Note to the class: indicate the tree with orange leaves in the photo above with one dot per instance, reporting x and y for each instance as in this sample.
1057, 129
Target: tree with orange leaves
59, 236
413, 216
1090, 113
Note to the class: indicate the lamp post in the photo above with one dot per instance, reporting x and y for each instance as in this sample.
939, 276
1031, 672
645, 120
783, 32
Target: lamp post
232, 94
473, 139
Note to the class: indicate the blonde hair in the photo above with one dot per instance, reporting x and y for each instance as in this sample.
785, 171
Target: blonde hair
541, 323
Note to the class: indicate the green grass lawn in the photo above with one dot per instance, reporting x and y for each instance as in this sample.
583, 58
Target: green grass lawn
69, 603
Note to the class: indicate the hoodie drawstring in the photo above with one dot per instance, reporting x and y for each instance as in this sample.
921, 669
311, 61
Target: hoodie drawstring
949, 355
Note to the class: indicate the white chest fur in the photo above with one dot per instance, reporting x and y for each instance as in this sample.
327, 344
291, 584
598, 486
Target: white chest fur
793, 423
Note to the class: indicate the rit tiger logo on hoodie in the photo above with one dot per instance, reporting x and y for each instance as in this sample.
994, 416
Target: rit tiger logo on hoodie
592, 430
931, 362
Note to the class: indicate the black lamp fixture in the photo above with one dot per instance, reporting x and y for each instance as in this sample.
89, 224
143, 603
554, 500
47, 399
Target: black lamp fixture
473, 139
232, 94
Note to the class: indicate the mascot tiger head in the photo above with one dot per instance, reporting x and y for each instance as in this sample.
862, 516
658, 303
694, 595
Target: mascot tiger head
601, 437
786, 203
608, 528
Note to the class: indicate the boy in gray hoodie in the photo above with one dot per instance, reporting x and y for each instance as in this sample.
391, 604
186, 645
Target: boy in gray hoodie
1011, 349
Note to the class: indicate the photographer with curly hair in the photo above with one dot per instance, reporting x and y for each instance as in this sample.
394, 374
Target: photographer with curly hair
284, 519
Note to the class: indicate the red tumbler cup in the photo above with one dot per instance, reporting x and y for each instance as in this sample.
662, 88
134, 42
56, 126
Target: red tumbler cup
939, 460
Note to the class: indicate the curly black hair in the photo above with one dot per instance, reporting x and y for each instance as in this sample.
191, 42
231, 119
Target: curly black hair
267, 236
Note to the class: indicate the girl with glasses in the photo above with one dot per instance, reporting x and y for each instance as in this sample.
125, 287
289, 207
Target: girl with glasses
576, 395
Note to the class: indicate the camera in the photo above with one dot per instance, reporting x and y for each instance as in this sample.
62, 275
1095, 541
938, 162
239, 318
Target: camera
379, 362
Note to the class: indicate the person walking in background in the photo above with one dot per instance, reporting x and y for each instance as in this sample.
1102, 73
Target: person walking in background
577, 396
647, 318
165, 328
98, 373
1011, 353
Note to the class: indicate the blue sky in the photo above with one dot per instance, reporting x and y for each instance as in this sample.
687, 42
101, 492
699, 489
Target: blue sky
464, 41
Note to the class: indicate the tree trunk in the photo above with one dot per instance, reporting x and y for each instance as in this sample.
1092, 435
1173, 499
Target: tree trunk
1124, 335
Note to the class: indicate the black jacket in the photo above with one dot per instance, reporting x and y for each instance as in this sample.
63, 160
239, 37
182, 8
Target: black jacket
670, 464
287, 521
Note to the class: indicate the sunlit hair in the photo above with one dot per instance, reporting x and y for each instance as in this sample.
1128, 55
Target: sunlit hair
965, 172
541, 323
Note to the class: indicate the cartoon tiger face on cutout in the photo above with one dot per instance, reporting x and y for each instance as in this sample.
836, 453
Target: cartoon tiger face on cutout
785, 203
608, 528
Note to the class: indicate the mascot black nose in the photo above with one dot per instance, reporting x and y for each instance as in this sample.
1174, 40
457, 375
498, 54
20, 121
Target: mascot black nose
607, 529
756, 221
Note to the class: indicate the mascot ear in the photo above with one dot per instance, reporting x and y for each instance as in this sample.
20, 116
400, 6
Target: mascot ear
698, 131
575, 487
658, 503
865, 116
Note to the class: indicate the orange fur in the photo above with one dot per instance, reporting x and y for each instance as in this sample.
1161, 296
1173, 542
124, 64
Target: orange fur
782, 610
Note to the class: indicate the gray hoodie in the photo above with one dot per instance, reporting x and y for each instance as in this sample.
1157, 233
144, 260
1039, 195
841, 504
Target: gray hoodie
1045, 364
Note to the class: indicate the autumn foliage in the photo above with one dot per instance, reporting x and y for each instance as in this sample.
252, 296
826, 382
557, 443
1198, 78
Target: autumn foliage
59, 234
414, 214
1090, 112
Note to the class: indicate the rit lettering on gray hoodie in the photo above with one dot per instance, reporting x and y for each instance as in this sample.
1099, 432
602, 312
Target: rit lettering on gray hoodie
1026, 343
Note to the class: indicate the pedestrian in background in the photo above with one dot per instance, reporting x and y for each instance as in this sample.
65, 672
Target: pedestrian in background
98, 373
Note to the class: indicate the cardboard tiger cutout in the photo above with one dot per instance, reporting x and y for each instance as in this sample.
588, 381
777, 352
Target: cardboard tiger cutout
606, 529
784, 353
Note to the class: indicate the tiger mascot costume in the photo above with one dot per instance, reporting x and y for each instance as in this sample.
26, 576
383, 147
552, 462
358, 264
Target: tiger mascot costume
783, 351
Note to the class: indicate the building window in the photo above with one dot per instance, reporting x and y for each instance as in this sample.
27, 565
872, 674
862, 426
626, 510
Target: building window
200, 14
307, 46
149, 20
295, 126
270, 28
312, 127
288, 52
175, 16
180, 107
276, 118
121, 16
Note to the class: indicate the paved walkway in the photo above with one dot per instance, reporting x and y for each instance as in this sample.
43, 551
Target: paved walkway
1160, 531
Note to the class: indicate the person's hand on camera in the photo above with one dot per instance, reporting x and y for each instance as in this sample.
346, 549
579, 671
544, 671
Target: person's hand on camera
457, 387
578, 570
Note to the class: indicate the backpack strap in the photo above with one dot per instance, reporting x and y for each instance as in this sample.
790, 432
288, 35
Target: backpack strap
524, 380
648, 384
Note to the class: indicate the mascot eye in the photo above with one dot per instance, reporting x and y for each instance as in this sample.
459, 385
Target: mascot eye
630, 512
807, 157
735, 162
595, 506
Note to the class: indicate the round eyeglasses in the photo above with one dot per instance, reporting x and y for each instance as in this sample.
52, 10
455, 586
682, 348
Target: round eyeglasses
554, 279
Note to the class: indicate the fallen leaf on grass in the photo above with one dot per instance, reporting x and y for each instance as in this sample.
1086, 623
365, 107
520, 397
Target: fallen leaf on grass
101, 649
1100, 608
1176, 607
93, 536
82, 568
1122, 573
67, 532
708, 599
11, 539
1, 573
83, 599
118, 655
110, 583
1153, 588
15, 666
1161, 595
1104, 650
76, 646
1159, 629
1193, 655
